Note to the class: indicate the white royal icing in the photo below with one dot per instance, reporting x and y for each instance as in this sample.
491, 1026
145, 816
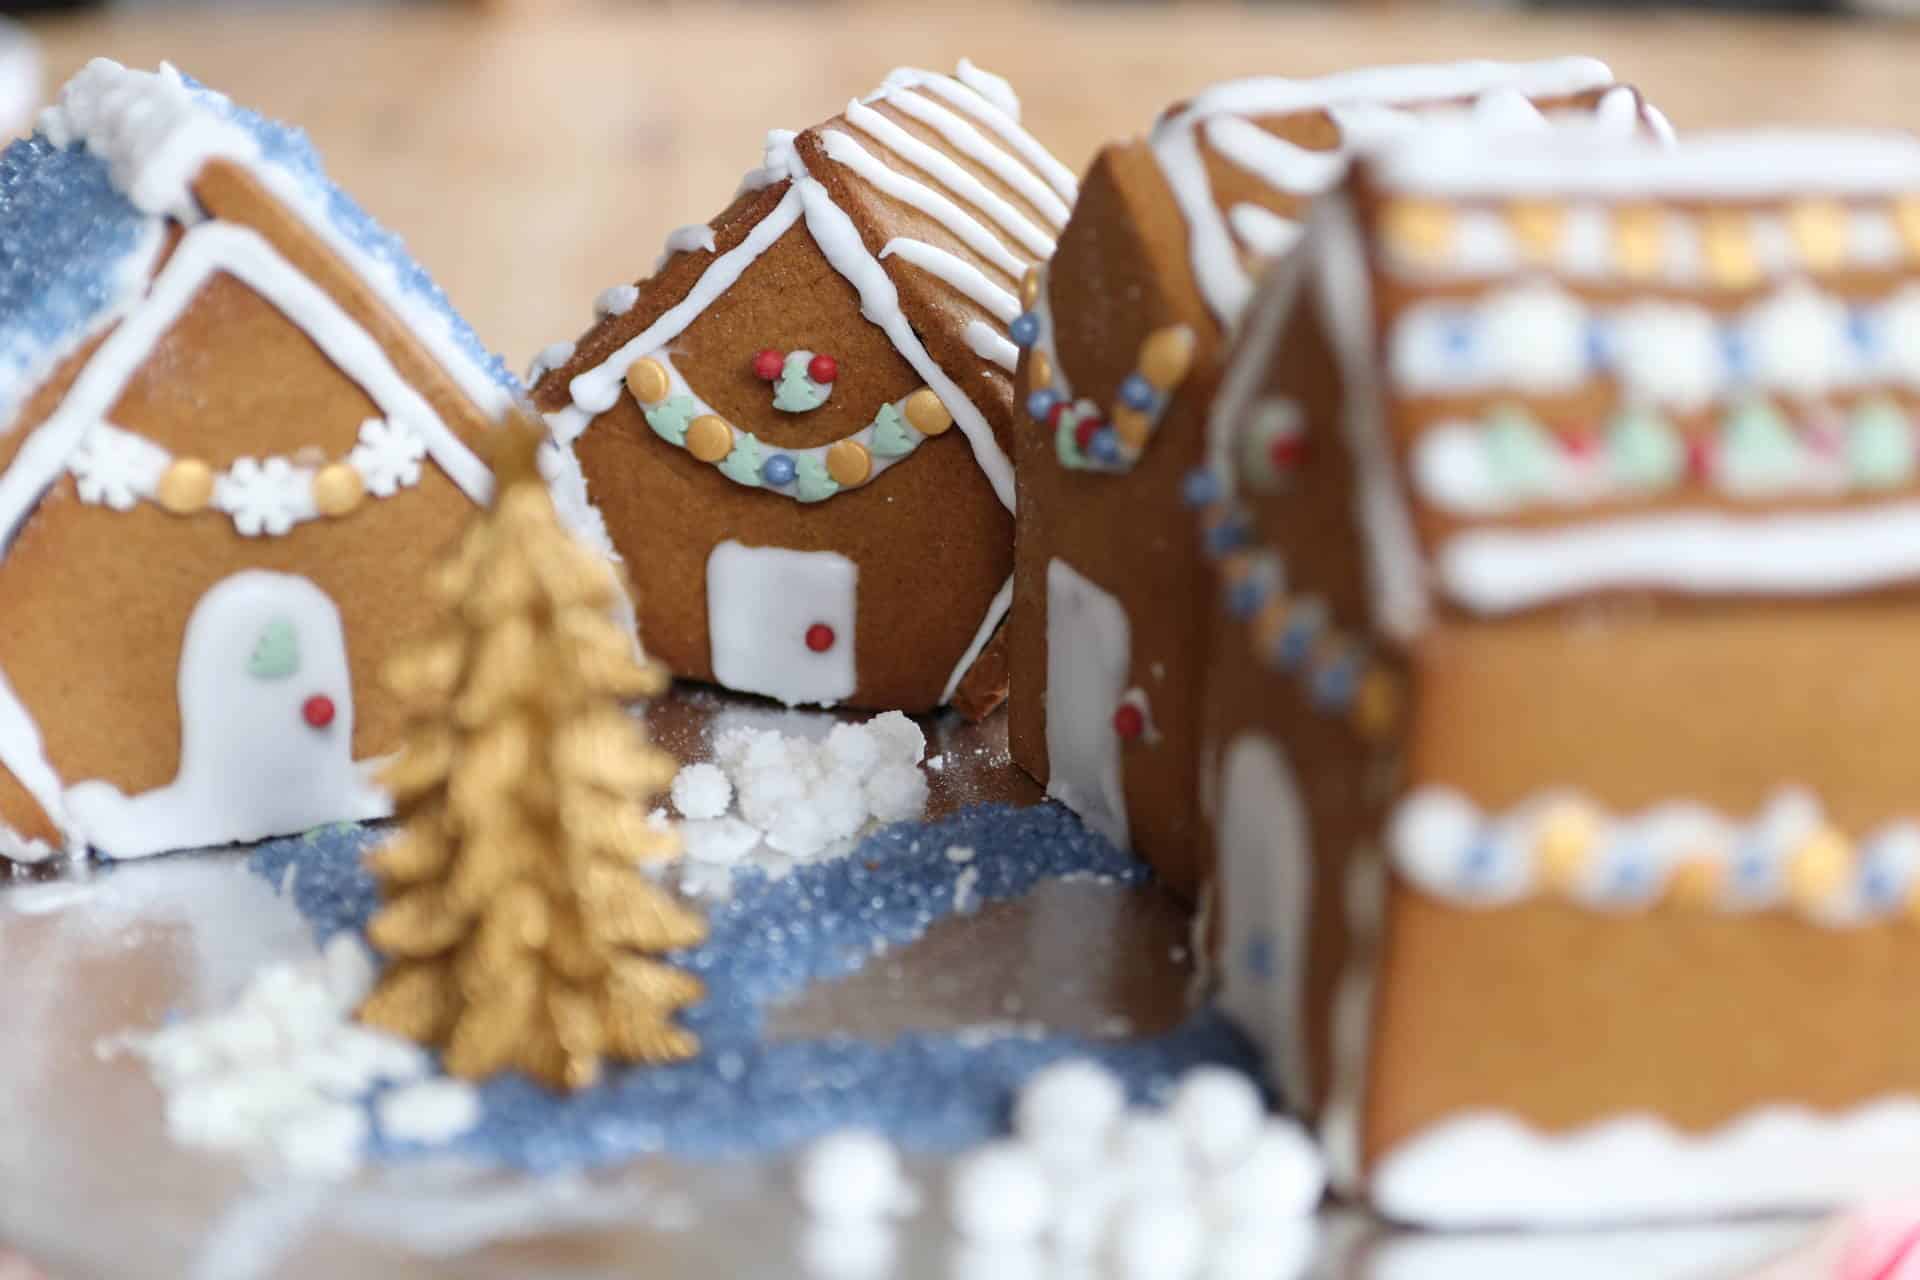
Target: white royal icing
956, 271
250, 764
1089, 660
1485, 1168
761, 601
996, 613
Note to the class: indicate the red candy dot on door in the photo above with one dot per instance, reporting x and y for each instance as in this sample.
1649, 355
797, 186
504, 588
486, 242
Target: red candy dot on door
820, 637
317, 710
1128, 721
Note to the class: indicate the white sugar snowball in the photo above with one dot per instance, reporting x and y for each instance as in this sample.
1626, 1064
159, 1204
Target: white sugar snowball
897, 793
1219, 1113
1281, 1175
854, 1175
430, 1112
972, 1261
1150, 1153
1268, 1251
1161, 1238
848, 1250
325, 1142
702, 791
1000, 1194
718, 842
1069, 1107
1085, 1201
349, 969
900, 739
853, 748
842, 802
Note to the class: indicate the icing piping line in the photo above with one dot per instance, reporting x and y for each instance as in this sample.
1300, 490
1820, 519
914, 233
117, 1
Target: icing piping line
971, 143
23, 754
958, 272
844, 149
937, 163
596, 390
1002, 117
996, 610
1496, 571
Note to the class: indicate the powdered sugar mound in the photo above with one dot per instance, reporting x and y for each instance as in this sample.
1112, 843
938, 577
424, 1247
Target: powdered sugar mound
796, 799
280, 1076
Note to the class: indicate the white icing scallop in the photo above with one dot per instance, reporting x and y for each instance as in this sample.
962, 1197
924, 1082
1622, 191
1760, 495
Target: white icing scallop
1798, 342
1899, 326
1451, 470
1668, 355
1535, 336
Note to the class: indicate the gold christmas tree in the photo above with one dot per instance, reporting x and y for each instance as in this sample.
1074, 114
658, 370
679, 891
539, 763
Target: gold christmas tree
516, 923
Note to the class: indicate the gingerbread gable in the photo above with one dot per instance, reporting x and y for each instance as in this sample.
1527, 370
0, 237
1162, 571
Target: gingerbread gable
794, 369
157, 218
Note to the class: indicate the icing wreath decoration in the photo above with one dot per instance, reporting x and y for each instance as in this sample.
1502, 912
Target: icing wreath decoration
1085, 437
116, 468
814, 474
802, 380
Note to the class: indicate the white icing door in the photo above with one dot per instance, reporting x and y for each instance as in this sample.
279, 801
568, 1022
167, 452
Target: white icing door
1089, 652
781, 623
266, 729
1265, 891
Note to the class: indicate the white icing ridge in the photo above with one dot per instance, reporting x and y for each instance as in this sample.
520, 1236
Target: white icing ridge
1484, 1168
996, 612
991, 344
990, 99
971, 143
697, 237
618, 299
1757, 164
1786, 554
958, 272
1262, 230
551, 356
1222, 278
842, 148
1441, 842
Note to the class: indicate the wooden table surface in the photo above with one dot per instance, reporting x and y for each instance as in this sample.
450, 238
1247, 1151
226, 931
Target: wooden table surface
534, 159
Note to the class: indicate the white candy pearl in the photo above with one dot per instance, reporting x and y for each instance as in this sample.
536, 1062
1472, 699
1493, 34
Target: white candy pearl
1160, 1239
1219, 1112
1069, 1107
1280, 1176
853, 1176
1149, 1153
1001, 1195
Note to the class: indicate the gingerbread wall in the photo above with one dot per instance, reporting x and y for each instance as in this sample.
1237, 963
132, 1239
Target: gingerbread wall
97, 600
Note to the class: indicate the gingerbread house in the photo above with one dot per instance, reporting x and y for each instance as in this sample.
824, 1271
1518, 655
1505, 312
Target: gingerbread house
1569, 855
236, 421
1124, 338
797, 428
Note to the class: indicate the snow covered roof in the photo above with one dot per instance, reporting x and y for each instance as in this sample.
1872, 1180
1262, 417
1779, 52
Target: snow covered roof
1749, 165
83, 204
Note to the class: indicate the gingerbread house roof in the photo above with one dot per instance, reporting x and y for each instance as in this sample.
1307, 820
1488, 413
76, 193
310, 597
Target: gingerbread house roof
1608, 366
905, 195
1222, 133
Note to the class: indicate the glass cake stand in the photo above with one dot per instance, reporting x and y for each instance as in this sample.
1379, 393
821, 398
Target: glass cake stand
90, 1184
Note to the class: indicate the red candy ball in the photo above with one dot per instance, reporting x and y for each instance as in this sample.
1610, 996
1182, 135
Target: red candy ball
767, 364
1053, 414
820, 637
1287, 452
823, 368
1083, 433
1129, 721
317, 710
1700, 457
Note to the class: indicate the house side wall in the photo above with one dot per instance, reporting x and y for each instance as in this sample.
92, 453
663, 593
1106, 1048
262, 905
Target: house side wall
1131, 533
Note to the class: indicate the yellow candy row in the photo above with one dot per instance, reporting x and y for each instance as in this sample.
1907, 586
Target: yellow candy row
186, 488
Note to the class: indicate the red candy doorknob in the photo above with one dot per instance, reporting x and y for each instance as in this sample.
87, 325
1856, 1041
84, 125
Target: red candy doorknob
820, 637
1129, 722
317, 710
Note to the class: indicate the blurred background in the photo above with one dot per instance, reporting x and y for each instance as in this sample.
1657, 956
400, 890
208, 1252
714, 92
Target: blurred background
535, 152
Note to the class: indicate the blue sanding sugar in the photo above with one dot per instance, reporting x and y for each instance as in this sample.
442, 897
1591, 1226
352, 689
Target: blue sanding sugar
746, 1095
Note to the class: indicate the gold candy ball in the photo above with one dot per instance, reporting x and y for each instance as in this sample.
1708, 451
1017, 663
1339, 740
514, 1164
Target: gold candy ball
337, 489
186, 487
1030, 287
1817, 868
1696, 883
709, 438
648, 381
1166, 356
1039, 370
1566, 846
849, 463
926, 414
1131, 426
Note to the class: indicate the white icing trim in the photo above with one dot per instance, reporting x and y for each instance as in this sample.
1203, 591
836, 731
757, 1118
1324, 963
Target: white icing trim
1363, 898
842, 148
974, 145
968, 279
1282, 165
1245, 378
1756, 164
1263, 231
1483, 1168
990, 99
23, 754
839, 241
596, 390
990, 343
695, 237
1792, 554
996, 611
951, 175
1344, 294
1222, 279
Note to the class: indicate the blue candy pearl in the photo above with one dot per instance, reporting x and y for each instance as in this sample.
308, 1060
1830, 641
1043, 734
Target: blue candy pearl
1025, 329
1136, 392
778, 469
1040, 403
1224, 537
1105, 445
1201, 488
1245, 597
